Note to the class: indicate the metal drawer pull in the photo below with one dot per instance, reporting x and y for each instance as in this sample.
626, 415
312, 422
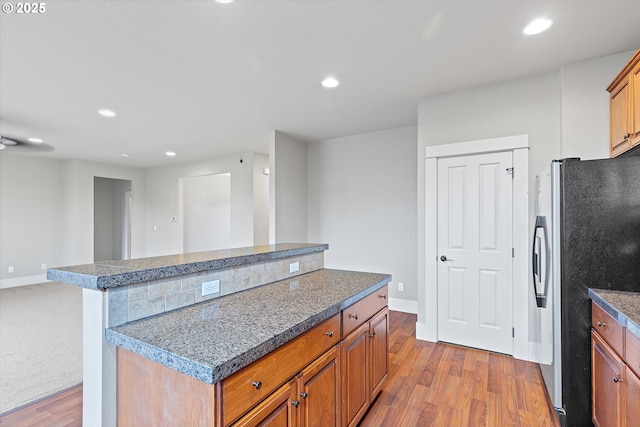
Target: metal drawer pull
601, 323
372, 334
382, 296
329, 334
257, 384
353, 316
304, 395
295, 403
617, 380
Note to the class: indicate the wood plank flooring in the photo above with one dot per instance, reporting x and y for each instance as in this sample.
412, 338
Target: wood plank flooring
438, 385
430, 385
63, 409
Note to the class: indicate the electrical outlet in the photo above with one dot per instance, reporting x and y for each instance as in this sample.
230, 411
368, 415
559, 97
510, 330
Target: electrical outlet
294, 266
400, 286
43, 266
10, 269
212, 287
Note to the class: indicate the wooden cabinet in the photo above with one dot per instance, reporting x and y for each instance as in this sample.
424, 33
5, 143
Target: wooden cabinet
615, 363
275, 411
606, 384
244, 389
365, 366
624, 108
312, 399
319, 392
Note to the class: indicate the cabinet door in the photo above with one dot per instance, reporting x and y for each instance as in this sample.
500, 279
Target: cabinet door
634, 125
355, 376
277, 410
631, 399
619, 118
379, 354
319, 391
606, 387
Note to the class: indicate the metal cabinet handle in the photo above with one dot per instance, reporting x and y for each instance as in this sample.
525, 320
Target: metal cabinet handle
617, 380
601, 323
444, 258
627, 136
303, 395
329, 334
295, 403
257, 384
372, 334
353, 316
382, 296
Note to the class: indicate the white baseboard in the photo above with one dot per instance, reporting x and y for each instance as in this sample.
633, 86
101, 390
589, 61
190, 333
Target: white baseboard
424, 333
23, 281
403, 305
534, 351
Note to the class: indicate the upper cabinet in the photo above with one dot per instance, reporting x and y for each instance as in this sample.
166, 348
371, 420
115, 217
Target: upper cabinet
624, 108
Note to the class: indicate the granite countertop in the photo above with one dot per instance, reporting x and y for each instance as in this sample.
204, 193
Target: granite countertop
110, 274
622, 305
212, 340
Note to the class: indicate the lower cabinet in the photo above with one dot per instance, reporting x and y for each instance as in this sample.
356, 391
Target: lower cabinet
365, 366
615, 362
312, 399
607, 379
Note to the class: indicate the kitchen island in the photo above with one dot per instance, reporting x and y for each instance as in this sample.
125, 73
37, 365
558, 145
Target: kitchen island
190, 359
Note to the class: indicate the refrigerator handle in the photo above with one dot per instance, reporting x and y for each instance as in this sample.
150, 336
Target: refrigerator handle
539, 255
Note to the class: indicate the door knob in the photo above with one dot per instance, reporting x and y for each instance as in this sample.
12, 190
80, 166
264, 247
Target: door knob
443, 258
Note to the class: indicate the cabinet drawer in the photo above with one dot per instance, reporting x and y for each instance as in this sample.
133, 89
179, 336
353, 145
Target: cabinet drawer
358, 313
239, 394
608, 328
632, 352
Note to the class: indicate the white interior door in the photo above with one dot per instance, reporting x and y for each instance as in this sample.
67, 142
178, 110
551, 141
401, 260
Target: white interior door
475, 251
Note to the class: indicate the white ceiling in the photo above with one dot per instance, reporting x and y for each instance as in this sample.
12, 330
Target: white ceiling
208, 80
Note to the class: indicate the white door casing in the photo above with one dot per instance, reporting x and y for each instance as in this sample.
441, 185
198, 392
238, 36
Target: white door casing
427, 324
475, 251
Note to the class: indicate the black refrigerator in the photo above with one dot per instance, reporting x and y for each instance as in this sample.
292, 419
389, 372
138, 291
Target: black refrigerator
587, 235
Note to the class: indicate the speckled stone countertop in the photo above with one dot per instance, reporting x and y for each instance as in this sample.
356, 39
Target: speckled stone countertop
622, 305
214, 339
110, 274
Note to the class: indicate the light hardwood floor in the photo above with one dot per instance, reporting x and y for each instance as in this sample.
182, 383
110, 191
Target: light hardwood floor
438, 385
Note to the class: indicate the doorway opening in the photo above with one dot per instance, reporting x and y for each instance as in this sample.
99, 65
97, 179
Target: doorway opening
112, 202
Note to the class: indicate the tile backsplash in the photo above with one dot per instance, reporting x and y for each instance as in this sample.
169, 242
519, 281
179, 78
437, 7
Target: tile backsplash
128, 303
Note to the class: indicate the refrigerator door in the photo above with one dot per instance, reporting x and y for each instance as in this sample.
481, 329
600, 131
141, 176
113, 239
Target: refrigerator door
548, 207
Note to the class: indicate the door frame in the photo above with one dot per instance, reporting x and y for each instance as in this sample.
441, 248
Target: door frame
519, 146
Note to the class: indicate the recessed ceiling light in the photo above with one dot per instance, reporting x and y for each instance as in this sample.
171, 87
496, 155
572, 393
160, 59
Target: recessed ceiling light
35, 140
224, 1
330, 82
170, 153
537, 26
124, 154
106, 113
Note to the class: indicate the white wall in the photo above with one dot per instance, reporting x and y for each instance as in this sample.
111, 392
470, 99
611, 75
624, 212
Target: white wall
78, 211
529, 106
31, 193
585, 105
288, 190
260, 199
163, 201
46, 214
206, 212
362, 202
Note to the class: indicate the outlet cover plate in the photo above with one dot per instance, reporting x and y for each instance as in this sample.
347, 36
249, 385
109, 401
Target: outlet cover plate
209, 288
294, 266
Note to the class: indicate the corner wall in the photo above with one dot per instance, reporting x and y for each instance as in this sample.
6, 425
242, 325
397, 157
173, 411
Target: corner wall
362, 202
287, 190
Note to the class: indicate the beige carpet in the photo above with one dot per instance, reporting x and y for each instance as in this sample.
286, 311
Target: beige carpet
40, 342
